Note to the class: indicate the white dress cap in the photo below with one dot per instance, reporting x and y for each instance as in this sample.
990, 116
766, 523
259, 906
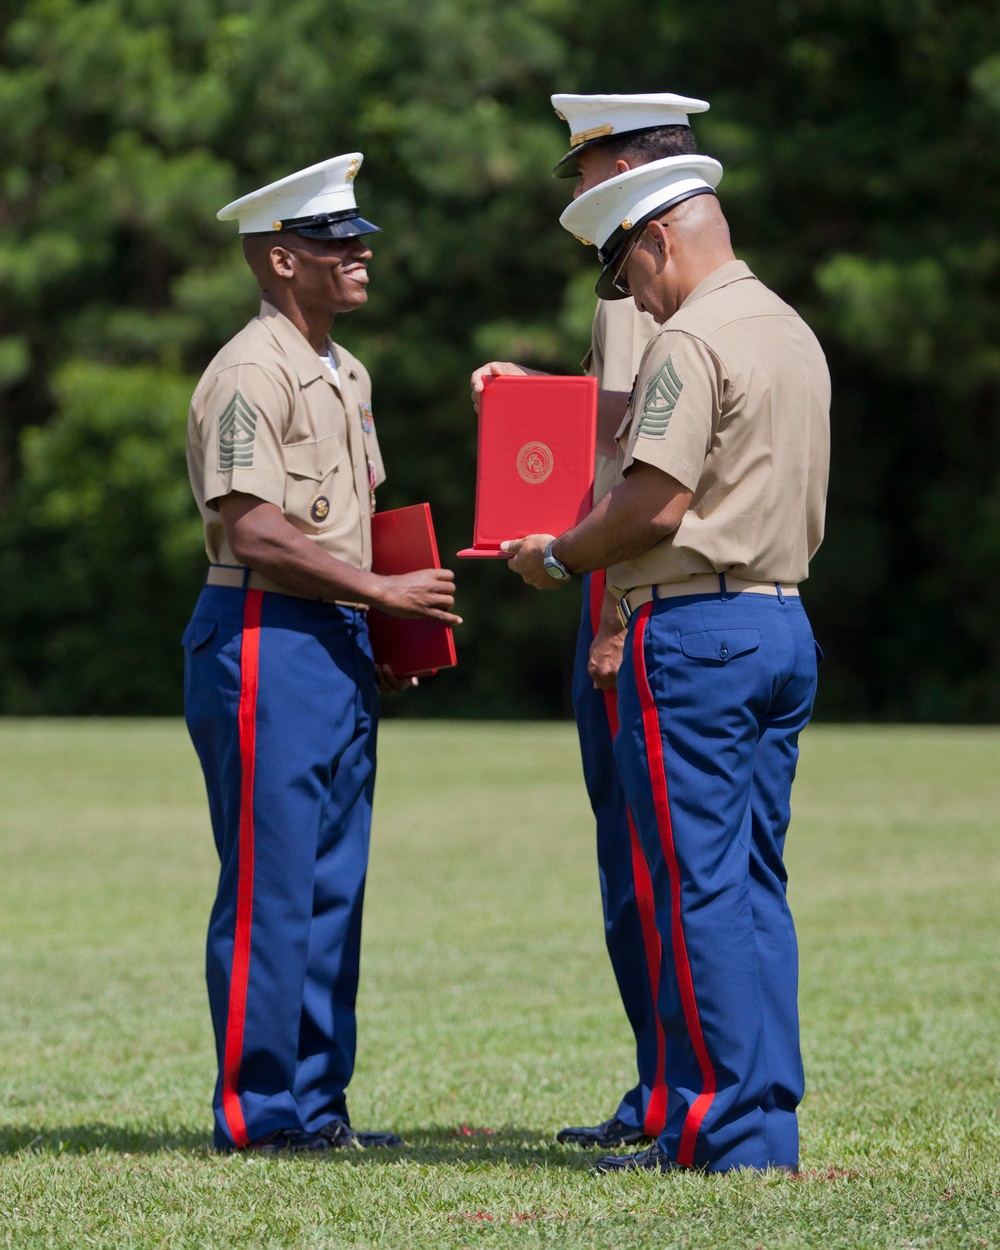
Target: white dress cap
593, 118
625, 201
318, 202
609, 212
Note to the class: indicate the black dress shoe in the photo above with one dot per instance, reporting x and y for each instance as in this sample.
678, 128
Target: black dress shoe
652, 1160
338, 1134
611, 1133
287, 1139
656, 1160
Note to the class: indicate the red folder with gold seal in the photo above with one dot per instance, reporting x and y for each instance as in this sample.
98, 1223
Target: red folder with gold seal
535, 464
402, 542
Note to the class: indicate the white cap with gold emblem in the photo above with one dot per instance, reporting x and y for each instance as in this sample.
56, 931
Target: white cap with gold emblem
317, 202
608, 213
594, 118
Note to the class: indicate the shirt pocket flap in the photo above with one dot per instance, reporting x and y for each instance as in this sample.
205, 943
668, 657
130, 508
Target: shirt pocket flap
720, 645
315, 461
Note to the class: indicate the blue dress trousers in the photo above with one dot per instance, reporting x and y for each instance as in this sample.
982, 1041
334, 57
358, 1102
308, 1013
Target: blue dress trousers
713, 693
626, 894
282, 708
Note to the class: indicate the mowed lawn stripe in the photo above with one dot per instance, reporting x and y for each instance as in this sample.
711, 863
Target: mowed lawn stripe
487, 1014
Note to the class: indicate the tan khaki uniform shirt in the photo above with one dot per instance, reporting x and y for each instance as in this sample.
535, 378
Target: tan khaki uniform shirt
732, 400
617, 340
267, 419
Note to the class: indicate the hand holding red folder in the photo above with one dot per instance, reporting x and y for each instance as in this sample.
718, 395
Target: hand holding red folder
403, 542
526, 560
535, 463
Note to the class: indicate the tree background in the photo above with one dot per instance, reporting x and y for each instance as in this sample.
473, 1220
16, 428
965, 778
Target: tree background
862, 182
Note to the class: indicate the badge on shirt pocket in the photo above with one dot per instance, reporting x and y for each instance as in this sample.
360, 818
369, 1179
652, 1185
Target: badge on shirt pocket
319, 509
367, 421
311, 469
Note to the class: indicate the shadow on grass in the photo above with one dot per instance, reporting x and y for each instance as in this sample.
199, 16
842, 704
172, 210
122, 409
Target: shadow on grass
509, 1145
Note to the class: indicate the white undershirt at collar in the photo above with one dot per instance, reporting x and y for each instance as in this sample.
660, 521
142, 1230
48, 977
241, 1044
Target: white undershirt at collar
330, 361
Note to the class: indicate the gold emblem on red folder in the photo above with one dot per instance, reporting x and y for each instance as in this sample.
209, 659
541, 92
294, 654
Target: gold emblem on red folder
535, 462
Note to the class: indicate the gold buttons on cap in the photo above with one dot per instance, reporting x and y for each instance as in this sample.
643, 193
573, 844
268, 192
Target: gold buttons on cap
275, 225
627, 224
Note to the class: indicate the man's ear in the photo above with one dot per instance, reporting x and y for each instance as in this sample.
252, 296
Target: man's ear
659, 240
282, 261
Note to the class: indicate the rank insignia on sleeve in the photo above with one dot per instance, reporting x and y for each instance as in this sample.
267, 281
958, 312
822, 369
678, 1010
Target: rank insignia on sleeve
659, 402
367, 422
237, 431
319, 509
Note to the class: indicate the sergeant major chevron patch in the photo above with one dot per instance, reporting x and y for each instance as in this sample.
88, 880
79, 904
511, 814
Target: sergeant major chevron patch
237, 431
659, 402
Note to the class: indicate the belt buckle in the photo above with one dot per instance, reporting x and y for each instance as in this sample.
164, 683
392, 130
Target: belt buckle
624, 611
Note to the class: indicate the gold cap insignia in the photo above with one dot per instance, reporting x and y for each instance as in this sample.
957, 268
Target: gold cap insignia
352, 170
561, 116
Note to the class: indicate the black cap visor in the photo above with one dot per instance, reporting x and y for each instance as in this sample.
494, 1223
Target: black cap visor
566, 166
343, 225
610, 254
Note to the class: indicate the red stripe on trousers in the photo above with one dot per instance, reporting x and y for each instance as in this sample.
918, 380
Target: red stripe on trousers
656, 1108
658, 782
240, 975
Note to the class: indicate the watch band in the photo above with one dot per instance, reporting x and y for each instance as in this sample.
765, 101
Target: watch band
553, 565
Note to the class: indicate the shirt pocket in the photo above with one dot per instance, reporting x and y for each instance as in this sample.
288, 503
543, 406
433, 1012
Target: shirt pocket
311, 471
720, 646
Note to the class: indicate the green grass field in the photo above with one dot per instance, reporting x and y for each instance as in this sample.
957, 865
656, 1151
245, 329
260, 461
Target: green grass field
487, 1017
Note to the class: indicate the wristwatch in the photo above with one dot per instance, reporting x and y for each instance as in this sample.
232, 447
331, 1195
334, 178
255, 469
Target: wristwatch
553, 566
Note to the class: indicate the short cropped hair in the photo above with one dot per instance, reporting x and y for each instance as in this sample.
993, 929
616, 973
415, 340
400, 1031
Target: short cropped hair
257, 250
642, 146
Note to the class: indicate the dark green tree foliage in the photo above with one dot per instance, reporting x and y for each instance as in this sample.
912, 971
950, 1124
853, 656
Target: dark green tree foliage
103, 548
862, 182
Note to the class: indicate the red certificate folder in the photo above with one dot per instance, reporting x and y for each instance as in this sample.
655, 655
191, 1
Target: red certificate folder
402, 542
535, 466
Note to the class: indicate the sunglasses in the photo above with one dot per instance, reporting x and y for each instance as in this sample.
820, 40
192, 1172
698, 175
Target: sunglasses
618, 281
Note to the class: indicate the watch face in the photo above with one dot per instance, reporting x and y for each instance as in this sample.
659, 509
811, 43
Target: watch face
553, 565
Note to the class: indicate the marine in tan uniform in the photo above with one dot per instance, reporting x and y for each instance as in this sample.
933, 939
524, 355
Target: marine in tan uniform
723, 458
275, 420
281, 693
610, 134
